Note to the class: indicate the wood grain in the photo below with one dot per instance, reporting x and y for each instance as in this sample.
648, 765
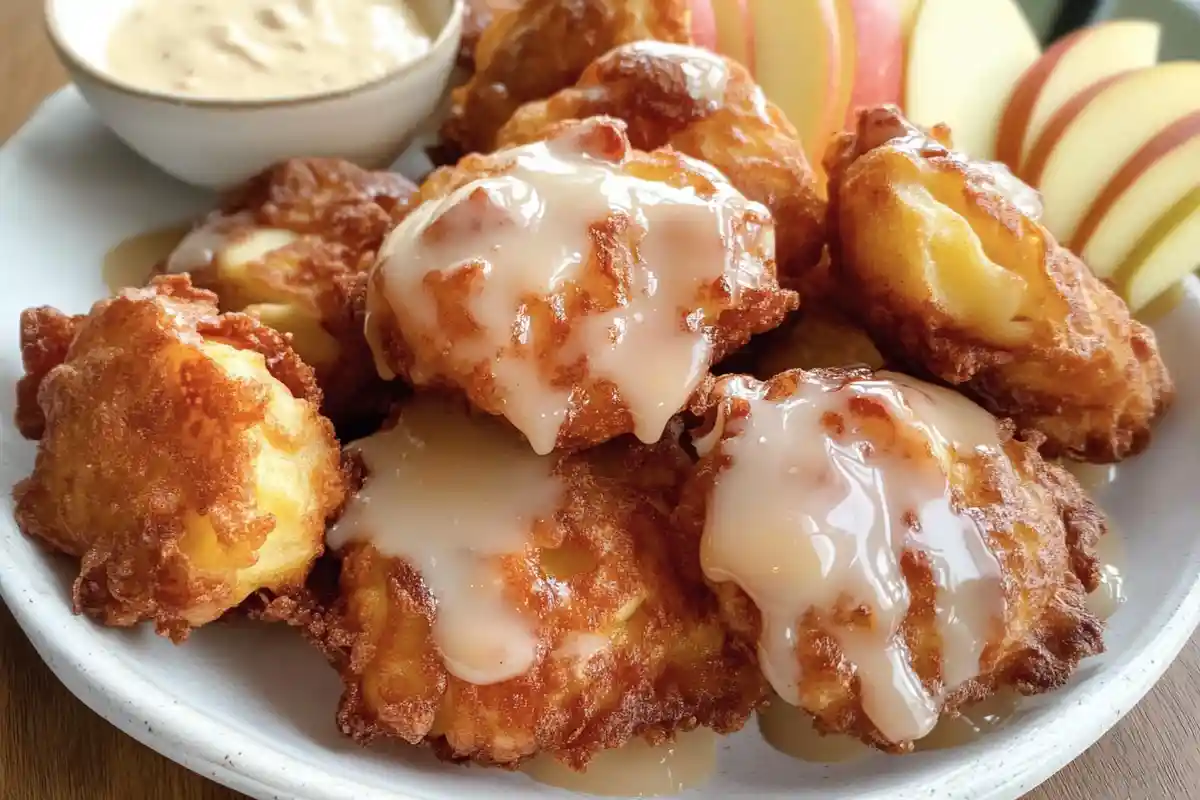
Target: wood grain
53, 748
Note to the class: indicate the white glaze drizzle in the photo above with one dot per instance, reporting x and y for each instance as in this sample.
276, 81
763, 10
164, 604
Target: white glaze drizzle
530, 232
813, 516
452, 495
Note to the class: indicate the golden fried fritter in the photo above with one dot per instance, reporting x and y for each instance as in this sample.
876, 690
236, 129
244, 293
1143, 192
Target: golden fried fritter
46, 334
290, 247
477, 16
543, 47
707, 107
889, 546
814, 340
576, 286
183, 460
944, 263
497, 604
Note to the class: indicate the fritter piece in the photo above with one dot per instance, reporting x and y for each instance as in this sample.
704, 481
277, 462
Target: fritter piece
814, 340
477, 16
543, 47
217, 471
890, 548
578, 287
707, 107
496, 604
290, 247
944, 263
46, 334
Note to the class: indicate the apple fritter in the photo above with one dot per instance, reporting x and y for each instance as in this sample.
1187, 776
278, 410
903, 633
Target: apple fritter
291, 247
890, 548
707, 107
814, 339
945, 264
217, 472
576, 286
477, 16
496, 604
543, 47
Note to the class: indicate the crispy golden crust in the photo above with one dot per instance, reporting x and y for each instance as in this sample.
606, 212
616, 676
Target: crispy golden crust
1039, 523
672, 95
477, 16
217, 471
946, 273
597, 411
814, 339
340, 215
46, 333
544, 47
603, 566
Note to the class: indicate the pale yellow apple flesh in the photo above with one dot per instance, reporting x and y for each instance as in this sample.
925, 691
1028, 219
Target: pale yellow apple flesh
908, 16
1166, 254
1145, 188
797, 61
1077, 159
1074, 63
964, 58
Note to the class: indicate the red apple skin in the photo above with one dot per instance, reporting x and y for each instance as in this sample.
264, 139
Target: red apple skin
879, 59
704, 24
747, 26
1178, 133
1011, 137
1039, 154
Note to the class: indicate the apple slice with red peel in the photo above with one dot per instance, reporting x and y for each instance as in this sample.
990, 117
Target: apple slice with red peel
964, 58
872, 55
1075, 158
1072, 64
1167, 253
735, 33
1154, 179
908, 16
797, 61
704, 24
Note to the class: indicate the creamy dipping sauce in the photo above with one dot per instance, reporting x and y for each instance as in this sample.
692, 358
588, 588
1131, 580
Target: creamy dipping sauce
791, 731
132, 262
636, 769
529, 236
262, 49
452, 495
812, 515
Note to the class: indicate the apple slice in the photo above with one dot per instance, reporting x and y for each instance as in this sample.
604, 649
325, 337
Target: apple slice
797, 61
964, 58
735, 36
872, 55
704, 24
908, 16
1150, 182
1086, 143
1074, 63
1166, 254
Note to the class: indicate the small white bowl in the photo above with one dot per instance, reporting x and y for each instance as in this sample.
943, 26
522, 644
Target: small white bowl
219, 143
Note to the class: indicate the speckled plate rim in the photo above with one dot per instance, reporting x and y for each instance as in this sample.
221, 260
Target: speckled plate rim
156, 718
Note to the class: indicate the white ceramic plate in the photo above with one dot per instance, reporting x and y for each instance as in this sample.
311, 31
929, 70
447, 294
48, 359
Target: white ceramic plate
252, 706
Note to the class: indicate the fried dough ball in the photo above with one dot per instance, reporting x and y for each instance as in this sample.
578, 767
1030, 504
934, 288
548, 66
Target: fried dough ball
543, 47
217, 471
944, 263
496, 604
707, 107
290, 247
477, 16
890, 548
576, 286
815, 340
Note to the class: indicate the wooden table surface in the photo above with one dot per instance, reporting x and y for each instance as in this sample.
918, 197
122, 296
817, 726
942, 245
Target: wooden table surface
53, 748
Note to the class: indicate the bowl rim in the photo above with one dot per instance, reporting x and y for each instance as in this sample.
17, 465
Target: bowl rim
446, 42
